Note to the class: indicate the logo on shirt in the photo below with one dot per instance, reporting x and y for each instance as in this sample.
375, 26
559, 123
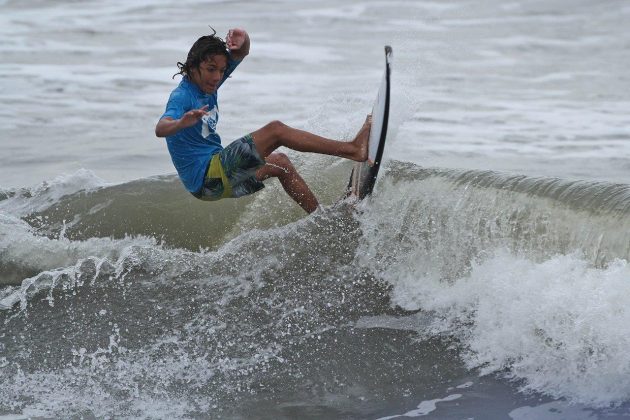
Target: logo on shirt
209, 122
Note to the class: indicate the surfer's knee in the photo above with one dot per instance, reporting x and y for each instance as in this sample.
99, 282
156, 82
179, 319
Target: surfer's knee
286, 163
276, 127
280, 163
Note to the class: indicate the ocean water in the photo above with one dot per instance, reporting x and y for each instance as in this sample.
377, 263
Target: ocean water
487, 277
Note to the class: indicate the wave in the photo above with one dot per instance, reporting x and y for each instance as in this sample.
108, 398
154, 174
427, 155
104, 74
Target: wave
461, 214
526, 276
457, 216
528, 273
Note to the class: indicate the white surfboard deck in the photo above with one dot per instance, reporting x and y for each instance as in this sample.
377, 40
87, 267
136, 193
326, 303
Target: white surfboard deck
363, 176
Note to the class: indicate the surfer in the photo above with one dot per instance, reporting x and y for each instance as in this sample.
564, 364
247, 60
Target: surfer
211, 172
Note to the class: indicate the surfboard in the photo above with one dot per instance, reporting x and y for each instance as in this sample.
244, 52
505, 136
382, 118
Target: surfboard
363, 176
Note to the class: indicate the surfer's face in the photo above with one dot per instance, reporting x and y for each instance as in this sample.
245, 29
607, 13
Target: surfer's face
209, 73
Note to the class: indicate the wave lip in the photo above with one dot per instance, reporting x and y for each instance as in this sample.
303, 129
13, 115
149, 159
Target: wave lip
24, 201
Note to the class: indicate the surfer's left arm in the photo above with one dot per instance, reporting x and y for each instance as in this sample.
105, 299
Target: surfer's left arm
237, 41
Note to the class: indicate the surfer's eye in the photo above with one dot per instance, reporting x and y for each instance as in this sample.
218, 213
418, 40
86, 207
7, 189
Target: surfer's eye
213, 69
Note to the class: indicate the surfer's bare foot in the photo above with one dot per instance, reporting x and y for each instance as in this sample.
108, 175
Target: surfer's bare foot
361, 140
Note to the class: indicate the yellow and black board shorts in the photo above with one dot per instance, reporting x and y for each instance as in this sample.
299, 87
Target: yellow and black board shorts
232, 171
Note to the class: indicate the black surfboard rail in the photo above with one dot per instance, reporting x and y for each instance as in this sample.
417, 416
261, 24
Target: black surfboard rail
364, 174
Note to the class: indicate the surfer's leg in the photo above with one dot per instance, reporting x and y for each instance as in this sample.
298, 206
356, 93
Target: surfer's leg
276, 134
278, 165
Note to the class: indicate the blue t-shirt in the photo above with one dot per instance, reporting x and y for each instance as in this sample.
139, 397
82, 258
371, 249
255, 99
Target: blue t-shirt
192, 148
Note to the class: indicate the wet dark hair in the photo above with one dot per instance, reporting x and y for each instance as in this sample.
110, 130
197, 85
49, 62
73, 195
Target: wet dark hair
202, 49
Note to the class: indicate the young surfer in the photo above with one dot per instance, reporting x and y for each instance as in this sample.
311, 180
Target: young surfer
211, 172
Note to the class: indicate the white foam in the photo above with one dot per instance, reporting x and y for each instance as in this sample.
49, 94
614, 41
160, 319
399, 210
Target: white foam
559, 325
344, 12
424, 408
308, 54
82, 386
555, 410
48, 193
465, 385
63, 264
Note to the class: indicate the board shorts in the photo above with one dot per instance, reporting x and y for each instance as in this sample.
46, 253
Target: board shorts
232, 172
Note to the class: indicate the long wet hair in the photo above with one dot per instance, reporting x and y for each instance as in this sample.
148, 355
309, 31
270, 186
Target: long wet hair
202, 49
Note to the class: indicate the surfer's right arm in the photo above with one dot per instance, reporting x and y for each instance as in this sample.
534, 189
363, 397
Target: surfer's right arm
168, 126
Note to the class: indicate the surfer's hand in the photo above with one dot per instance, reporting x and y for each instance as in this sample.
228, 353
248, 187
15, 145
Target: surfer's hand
237, 41
167, 126
191, 117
